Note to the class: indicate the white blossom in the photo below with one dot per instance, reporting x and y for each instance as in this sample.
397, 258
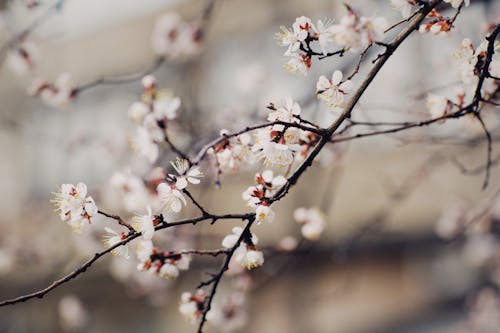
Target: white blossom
166, 106
144, 250
175, 38
171, 199
404, 6
112, 238
58, 94
138, 111
286, 110
168, 271
437, 105
191, 305
185, 173
264, 213
230, 240
145, 145
312, 220
131, 189
332, 91
75, 208
145, 224
298, 63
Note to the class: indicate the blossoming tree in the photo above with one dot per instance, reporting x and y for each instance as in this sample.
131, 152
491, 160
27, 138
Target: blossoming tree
280, 149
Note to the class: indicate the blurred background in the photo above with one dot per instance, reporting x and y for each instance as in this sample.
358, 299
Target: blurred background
379, 265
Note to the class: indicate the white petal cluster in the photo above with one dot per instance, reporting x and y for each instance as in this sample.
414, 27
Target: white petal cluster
404, 6
292, 39
191, 305
22, 58
175, 38
312, 220
112, 238
230, 316
145, 224
232, 154
437, 105
131, 190
286, 110
246, 255
267, 184
185, 174
166, 265
170, 197
332, 92
352, 33
152, 115
73, 205
57, 94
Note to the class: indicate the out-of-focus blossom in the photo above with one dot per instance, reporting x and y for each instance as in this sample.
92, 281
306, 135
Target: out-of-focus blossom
72, 314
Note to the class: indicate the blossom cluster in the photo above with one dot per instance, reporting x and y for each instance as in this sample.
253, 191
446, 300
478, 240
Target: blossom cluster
57, 94
333, 91
406, 7
352, 33
75, 208
469, 63
161, 263
152, 115
312, 220
276, 146
175, 38
246, 254
191, 306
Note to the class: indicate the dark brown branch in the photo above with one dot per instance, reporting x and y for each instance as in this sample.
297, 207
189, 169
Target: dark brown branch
489, 150
118, 219
131, 236
215, 280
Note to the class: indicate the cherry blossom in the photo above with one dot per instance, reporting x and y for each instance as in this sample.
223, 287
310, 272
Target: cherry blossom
22, 59
324, 33
438, 106
192, 305
171, 199
144, 144
131, 189
332, 91
145, 224
286, 110
312, 220
185, 173
72, 314
264, 213
175, 38
404, 6
58, 94
298, 63
266, 186
75, 208
112, 238
247, 255
230, 315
